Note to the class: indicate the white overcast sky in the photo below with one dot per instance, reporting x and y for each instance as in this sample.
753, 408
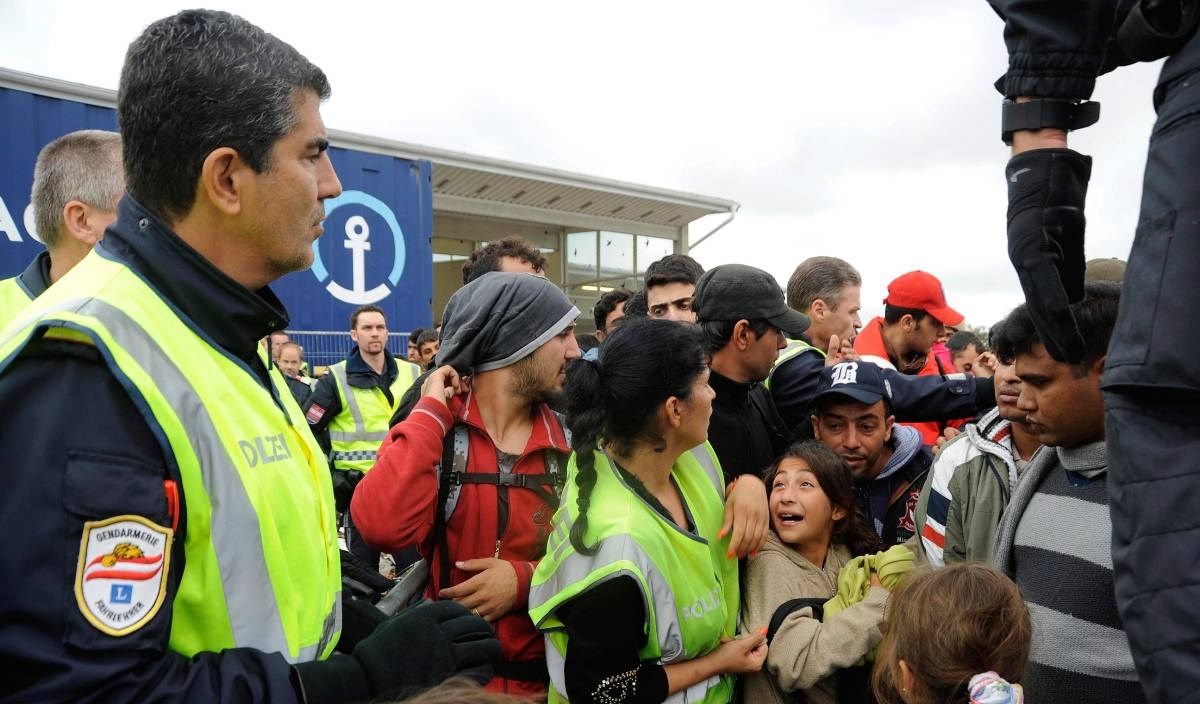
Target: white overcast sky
866, 130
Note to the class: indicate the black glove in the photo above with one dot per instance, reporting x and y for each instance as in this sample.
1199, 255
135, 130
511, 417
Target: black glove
360, 618
416, 649
343, 488
1046, 191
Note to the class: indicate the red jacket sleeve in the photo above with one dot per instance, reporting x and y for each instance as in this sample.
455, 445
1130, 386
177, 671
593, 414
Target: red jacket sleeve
394, 504
524, 570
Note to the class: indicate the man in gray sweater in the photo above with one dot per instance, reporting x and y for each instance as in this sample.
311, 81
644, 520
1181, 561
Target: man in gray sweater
1055, 537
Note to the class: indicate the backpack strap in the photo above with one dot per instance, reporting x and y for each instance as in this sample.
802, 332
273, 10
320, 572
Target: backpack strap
787, 608
532, 482
441, 515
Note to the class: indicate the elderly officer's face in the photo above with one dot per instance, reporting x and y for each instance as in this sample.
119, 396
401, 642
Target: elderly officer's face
285, 203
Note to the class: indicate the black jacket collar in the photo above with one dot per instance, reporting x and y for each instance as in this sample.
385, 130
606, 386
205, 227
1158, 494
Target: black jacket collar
217, 307
729, 392
362, 375
36, 277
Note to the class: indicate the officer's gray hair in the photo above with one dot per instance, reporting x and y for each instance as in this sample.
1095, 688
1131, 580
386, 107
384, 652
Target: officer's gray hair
83, 166
820, 278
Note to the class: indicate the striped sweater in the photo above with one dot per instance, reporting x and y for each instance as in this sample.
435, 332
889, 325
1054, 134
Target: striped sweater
1055, 540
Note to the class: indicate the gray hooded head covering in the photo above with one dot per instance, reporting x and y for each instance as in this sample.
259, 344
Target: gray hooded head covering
501, 318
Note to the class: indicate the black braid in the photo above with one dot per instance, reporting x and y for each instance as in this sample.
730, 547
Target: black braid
585, 418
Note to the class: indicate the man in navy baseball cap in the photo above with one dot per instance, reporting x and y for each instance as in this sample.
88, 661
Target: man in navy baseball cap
852, 415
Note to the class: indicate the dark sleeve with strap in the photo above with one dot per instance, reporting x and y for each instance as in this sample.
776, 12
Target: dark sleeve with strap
778, 431
322, 407
78, 450
932, 398
606, 626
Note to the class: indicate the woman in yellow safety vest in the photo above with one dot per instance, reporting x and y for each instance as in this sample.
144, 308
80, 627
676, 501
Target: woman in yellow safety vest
638, 592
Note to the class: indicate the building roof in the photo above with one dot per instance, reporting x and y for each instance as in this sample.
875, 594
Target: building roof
475, 185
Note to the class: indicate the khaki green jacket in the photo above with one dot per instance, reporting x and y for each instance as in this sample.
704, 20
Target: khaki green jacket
966, 492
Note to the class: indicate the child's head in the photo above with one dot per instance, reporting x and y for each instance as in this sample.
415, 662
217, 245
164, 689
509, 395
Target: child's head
811, 498
947, 626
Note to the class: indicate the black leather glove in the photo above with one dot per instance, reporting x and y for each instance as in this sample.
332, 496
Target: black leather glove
416, 649
1046, 192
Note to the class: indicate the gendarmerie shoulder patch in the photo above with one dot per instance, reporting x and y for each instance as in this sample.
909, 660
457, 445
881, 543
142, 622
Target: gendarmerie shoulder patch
122, 575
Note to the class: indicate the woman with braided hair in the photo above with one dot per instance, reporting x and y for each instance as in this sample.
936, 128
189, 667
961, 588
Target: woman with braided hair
638, 591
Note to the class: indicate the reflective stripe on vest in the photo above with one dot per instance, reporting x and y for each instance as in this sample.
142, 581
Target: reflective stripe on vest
689, 587
794, 348
13, 298
261, 568
356, 433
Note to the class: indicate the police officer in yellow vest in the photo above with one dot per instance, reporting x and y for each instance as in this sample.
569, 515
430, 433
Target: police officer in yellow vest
350, 408
77, 182
167, 516
638, 591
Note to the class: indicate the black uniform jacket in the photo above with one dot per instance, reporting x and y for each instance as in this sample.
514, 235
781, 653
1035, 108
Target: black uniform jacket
77, 449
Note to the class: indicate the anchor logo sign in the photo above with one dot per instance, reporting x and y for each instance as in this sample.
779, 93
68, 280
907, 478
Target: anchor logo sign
358, 238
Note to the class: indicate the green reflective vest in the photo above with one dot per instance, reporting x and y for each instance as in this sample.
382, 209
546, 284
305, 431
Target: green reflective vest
13, 298
262, 568
689, 586
356, 433
794, 348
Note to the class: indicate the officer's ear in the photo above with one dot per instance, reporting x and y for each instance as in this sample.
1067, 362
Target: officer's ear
81, 222
224, 180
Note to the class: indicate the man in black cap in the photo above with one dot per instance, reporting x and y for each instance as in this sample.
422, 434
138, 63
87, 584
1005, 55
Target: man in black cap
746, 321
852, 415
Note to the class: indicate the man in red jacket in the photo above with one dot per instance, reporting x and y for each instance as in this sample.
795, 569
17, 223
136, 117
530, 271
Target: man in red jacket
506, 341
915, 314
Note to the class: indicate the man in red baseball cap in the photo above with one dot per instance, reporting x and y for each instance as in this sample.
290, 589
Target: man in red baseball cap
915, 314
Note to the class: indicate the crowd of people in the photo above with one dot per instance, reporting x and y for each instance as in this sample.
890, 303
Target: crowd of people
732, 490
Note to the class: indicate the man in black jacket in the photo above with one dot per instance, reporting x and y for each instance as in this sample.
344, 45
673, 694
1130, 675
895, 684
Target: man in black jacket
744, 318
1151, 382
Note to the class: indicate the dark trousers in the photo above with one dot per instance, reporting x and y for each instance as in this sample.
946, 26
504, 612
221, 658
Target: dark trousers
368, 556
1152, 410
